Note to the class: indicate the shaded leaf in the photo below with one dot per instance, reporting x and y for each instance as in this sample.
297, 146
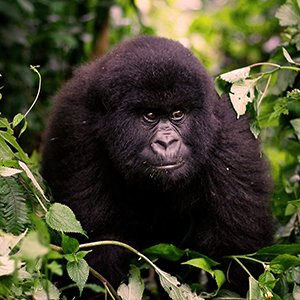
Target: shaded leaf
296, 292
135, 288
175, 289
242, 92
235, 75
46, 290
32, 248
7, 265
9, 241
255, 292
287, 56
4, 171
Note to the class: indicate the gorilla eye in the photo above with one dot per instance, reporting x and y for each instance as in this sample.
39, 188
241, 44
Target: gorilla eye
150, 116
177, 115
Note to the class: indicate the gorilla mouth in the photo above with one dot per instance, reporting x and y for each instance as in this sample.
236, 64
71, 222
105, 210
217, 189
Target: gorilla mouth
172, 166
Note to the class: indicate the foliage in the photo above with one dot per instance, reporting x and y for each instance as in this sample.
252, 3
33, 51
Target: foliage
224, 34
55, 35
34, 245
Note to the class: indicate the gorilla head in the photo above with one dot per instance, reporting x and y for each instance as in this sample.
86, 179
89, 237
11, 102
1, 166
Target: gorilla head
156, 96
144, 151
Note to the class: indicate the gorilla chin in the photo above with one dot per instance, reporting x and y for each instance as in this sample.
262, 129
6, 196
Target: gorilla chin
170, 176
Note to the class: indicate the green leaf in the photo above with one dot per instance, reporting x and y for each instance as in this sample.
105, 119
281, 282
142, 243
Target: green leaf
13, 205
255, 129
55, 268
275, 250
78, 271
296, 203
17, 120
296, 41
69, 244
288, 14
32, 248
96, 288
165, 251
290, 210
199, 263
282, 262
279, 108
82, 254
268, 279
70, 257
6, 153
205, 264
61, 218
5, 124
296, 125
42, 230
135, 288
255, 292
23, 128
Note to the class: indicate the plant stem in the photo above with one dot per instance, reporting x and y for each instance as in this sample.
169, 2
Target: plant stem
107, 285
34, 68
265, 91
116, 243
247, 258
239, 262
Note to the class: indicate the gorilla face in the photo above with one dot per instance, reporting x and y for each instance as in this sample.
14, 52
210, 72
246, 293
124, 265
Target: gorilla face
159, 117
157, 142
164, 152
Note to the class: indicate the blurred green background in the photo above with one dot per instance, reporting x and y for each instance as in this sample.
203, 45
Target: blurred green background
57, 35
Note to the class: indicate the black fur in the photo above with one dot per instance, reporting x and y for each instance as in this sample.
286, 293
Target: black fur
92, 158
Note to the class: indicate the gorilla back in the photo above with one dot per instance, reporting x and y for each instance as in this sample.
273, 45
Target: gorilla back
142, 148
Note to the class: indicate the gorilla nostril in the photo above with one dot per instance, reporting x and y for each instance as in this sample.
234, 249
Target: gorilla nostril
161, 146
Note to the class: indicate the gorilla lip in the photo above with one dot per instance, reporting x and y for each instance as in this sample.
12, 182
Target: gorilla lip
170, 167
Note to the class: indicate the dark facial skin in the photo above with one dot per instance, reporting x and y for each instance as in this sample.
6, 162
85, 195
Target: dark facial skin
166, 143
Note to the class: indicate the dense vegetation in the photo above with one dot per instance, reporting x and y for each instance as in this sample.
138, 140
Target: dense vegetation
57, 35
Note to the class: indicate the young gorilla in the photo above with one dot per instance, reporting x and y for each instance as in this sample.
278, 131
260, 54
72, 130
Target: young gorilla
144, 151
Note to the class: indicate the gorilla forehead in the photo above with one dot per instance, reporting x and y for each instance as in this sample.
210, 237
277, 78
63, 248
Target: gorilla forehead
154, 68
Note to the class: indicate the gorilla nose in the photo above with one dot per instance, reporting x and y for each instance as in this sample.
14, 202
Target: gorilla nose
166, 146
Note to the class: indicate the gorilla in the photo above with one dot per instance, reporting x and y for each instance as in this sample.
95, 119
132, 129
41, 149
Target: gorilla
143, 150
